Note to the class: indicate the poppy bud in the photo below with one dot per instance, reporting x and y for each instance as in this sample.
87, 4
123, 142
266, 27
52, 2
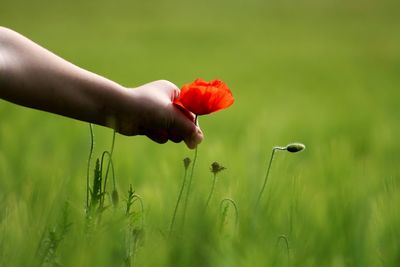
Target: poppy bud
216, 168
295, 147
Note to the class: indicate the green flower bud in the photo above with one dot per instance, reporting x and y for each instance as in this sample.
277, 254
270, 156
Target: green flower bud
295, 147
216, 168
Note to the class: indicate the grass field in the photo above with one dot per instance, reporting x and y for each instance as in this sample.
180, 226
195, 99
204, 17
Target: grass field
324, 73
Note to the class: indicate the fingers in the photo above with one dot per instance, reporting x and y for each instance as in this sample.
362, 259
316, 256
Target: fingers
190, 133
159, 136
167, 87
175, 136
185, 112
195, 139
175, 123
183, 125
173, 91
182, 129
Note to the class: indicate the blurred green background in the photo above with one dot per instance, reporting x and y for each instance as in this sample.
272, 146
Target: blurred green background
324, 73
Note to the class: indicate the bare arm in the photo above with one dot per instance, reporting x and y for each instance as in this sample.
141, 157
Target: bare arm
34, 77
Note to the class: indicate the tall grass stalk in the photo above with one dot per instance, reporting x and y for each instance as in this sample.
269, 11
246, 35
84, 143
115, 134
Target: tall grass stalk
134, 234
225, 211
286, 241
52, 238
139, 198
110, 163
95, 196
110, 154
96, 191
132, 198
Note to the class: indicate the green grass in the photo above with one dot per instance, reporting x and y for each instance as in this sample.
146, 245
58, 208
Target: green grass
324, 73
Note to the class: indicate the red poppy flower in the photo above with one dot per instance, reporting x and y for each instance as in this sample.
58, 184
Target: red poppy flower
201, 97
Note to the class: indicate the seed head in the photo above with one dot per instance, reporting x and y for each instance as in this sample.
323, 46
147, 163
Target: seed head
186, 162
216, 168
295, 147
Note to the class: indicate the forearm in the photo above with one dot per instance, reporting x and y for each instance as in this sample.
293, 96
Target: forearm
34, 77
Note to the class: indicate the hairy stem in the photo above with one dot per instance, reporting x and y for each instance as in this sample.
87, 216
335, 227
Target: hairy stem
139, 198
189, 185
212, 190
109, 163
266, 178
292, 148
177, 202
229, 201
88, 165
285, 239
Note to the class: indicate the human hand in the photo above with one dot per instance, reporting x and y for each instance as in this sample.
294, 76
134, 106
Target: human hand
148, 110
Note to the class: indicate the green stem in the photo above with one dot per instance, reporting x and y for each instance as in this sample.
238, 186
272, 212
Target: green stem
266, 178
177, 202
189, 185
139, 198
267, 174
285, 239
88, 165
231, 201
212, 190
109, 162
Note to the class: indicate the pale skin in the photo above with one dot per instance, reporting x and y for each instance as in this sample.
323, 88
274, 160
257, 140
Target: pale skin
34, 77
